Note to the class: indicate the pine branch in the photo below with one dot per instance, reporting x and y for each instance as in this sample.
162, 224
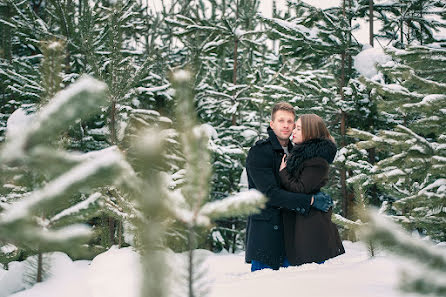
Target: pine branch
241, 204
391, 236
92, 174
80, 100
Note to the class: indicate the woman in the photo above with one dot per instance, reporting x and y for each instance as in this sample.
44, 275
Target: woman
312, 238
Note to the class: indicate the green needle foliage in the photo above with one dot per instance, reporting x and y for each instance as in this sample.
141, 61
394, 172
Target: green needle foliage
194, 210
44, 204
412, 173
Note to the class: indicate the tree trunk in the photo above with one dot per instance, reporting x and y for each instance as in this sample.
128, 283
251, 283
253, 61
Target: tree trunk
67, 61
343, 171
234, 236
349, 40
120, 232
39, 268
401, 28
344, 192
421, 17
5, 50
373, 190
274, 14
371, 35
234, 71
191, 239
371, 247
36, 6
111, 230
113, 122
343, 119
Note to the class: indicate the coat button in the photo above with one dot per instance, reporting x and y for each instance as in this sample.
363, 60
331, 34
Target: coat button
276, 227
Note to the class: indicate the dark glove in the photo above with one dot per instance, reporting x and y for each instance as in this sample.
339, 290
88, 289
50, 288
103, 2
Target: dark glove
322, 201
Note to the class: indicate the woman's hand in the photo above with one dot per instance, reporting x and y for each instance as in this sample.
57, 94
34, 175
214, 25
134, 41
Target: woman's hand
283, 164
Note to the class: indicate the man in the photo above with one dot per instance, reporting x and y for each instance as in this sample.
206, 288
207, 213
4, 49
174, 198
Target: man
264, 231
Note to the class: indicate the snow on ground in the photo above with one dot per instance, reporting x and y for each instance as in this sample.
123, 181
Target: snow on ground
117, 273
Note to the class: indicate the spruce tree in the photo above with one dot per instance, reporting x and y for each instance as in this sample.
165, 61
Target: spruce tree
412, 174
225, 50
104, 39
51, 190
156, 206
197, 212
405, 21
19, 59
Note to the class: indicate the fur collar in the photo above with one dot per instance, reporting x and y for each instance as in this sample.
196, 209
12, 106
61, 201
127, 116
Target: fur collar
323, 148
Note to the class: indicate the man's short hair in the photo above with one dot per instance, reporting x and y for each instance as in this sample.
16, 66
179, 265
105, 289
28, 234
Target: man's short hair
285, 106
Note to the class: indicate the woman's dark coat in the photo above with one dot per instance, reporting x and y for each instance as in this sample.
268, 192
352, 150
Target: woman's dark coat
264, 231
313, 238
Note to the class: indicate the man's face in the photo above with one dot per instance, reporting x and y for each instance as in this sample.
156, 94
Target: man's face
283, 124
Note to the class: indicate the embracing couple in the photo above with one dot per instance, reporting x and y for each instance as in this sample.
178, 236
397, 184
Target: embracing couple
295, 226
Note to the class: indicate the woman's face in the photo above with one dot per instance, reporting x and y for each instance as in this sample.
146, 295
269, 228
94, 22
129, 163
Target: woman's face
297, 132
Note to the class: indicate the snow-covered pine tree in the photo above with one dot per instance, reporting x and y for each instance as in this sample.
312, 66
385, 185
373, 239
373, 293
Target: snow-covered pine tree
364, 116
113, 55
405, 21
84, 29
413, 173
225, 47
19, 60
155, 204
51, 82
51, 190
106, 41
143, 198
193, 209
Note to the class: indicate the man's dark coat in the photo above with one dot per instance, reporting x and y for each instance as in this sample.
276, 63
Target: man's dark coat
264, 231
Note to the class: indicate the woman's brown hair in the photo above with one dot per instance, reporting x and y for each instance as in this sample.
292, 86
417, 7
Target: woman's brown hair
313, 126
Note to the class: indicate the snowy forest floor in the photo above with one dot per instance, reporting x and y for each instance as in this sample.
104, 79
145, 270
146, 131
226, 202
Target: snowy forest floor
117, 273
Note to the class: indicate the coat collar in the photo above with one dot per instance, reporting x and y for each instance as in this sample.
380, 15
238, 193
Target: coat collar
323, 148
275, 142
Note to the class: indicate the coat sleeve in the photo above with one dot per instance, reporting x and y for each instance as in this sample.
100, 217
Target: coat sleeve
310, 180
259, 166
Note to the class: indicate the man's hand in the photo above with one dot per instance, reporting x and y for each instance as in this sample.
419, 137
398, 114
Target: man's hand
322, 201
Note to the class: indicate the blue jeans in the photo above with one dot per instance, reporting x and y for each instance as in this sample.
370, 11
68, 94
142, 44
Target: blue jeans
256, 265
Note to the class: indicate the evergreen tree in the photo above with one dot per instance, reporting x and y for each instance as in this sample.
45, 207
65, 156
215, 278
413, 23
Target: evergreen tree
19, 59
157, 206
225, 48
192, 208
42, 207
364, 116
105, 40
413, 172
406, 21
